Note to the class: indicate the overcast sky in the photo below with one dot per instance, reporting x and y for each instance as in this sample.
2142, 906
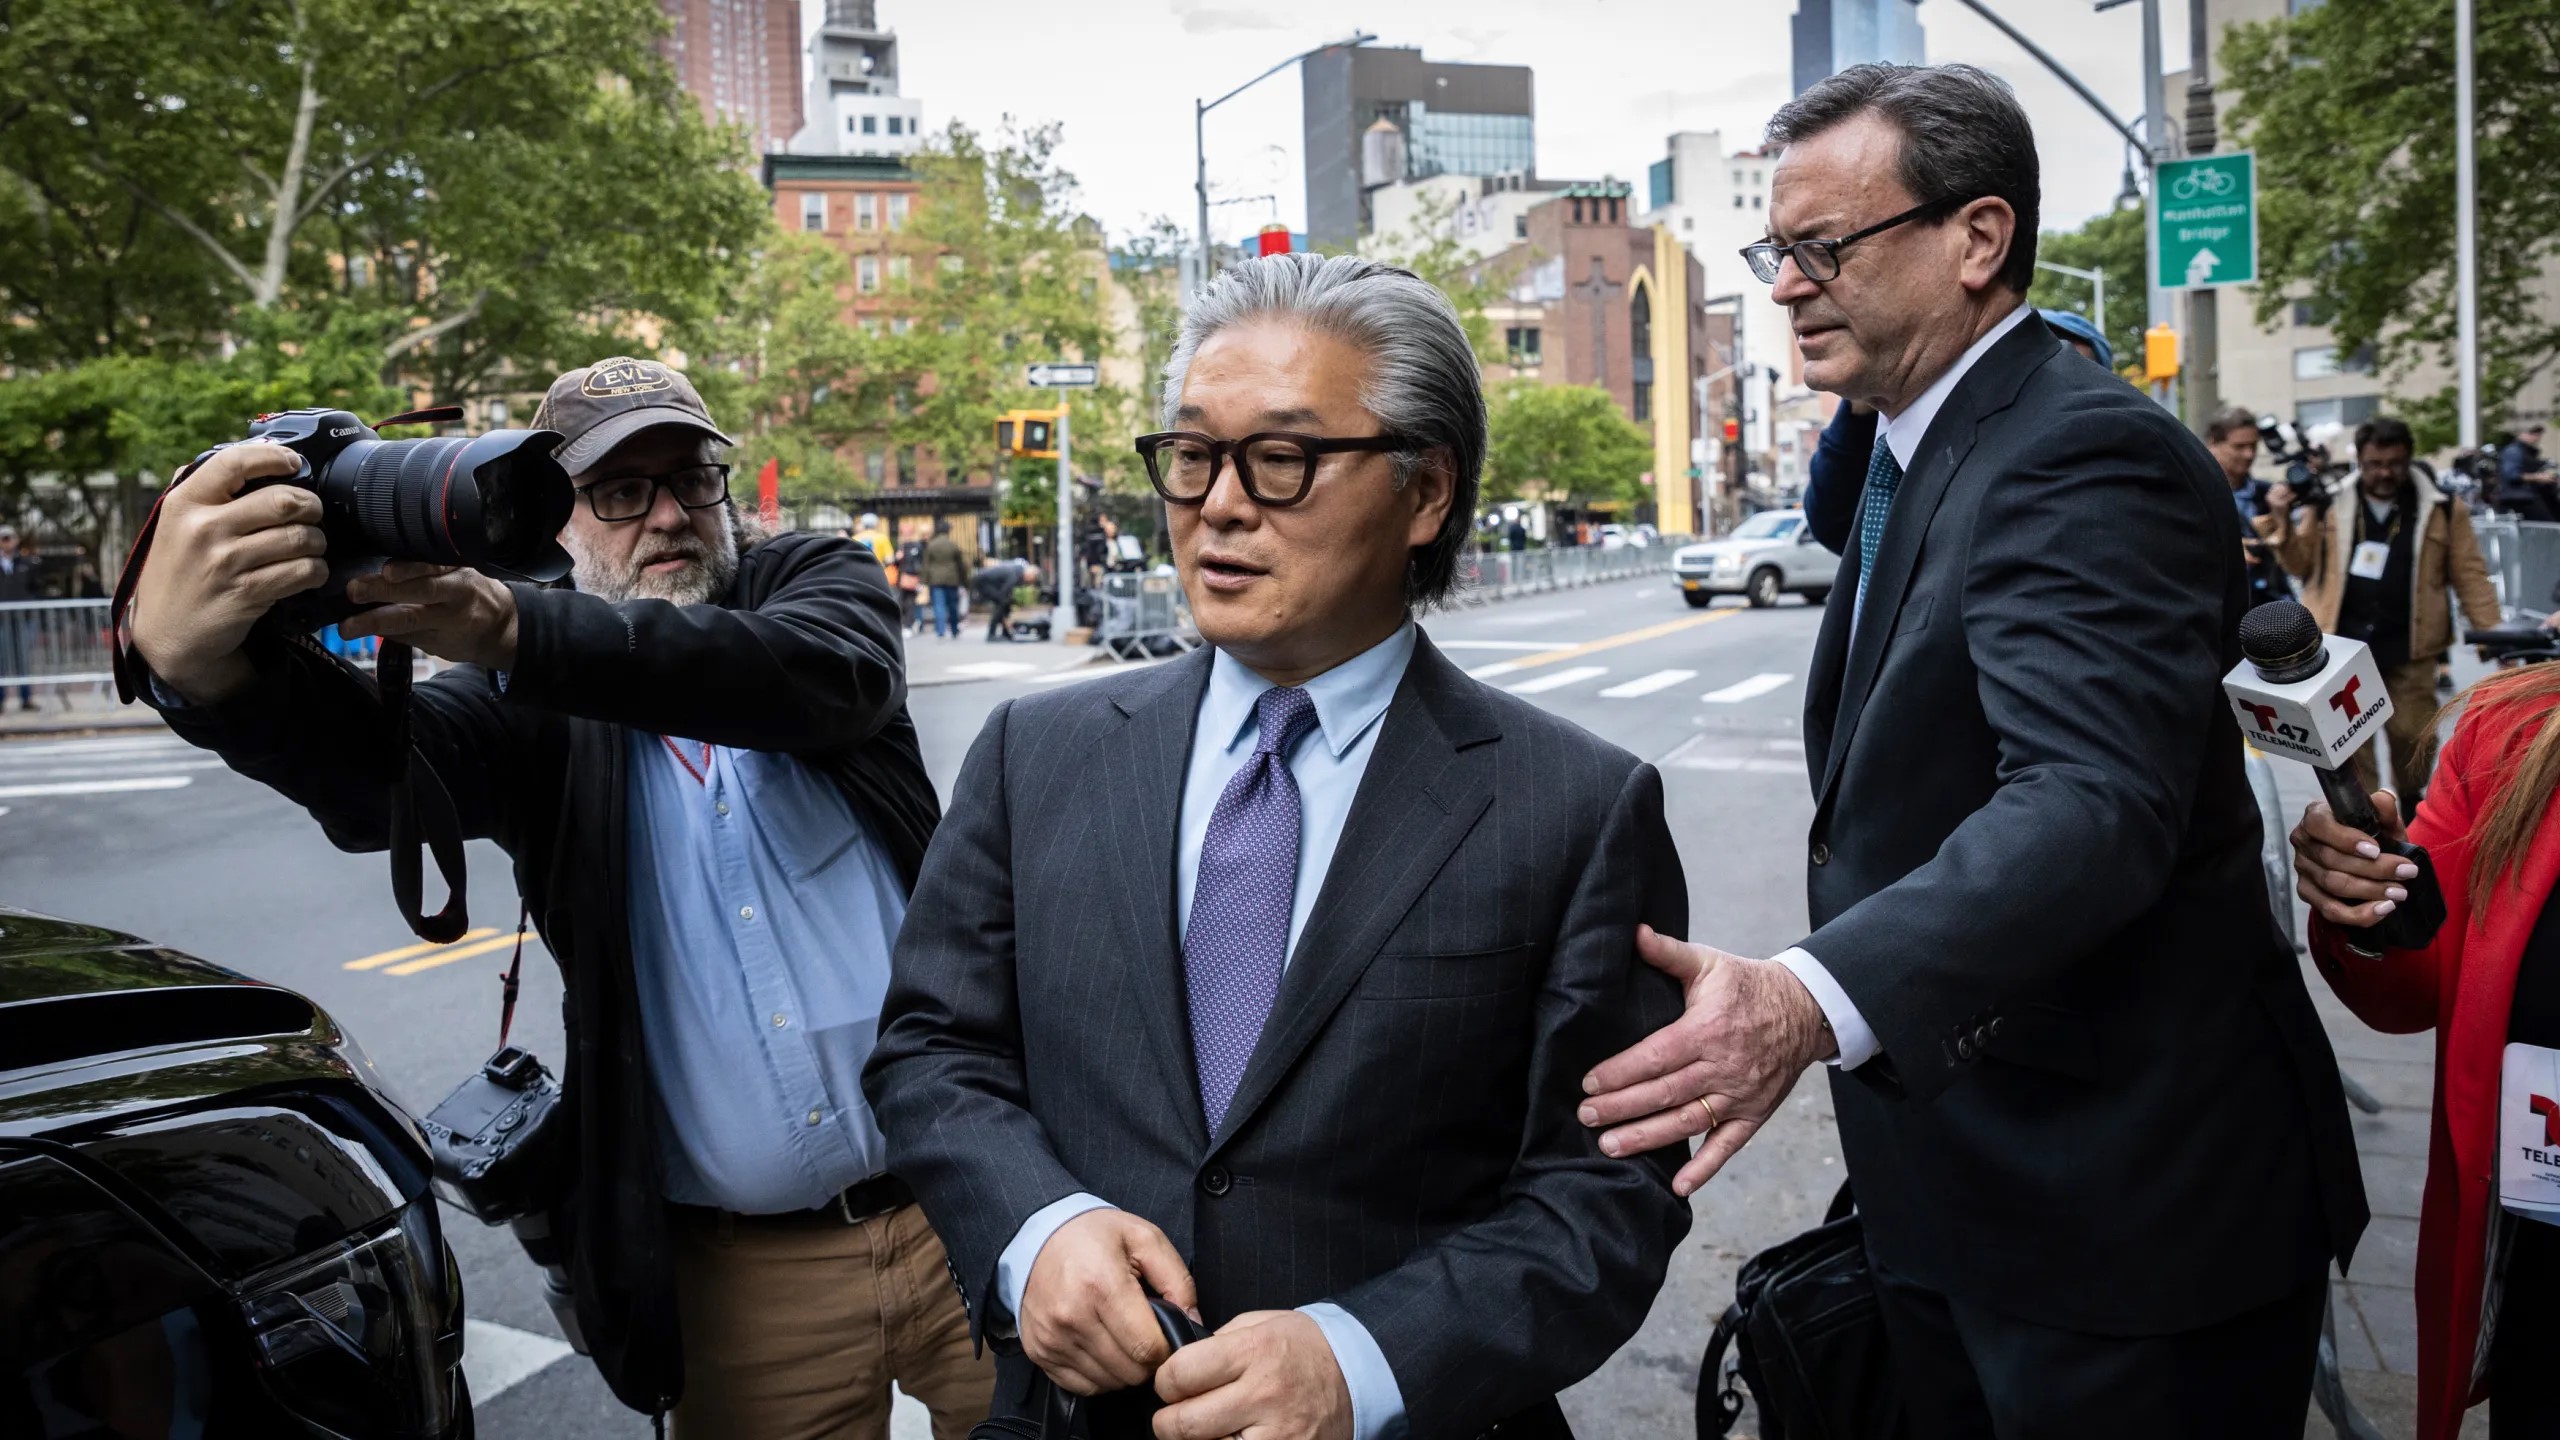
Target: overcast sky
1613, 78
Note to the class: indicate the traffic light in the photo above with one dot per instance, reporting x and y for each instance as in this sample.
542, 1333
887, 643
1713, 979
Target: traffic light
1733, 432
1028, 434
2159, 354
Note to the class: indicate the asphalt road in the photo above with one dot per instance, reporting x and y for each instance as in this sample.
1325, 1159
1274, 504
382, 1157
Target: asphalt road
139, 832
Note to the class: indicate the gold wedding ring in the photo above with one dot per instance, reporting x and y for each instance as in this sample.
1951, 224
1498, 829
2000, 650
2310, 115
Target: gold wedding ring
1710, 1107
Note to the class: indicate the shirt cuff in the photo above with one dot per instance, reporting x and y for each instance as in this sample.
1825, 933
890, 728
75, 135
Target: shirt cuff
1013, 1267
1377, 1402
1856, 1039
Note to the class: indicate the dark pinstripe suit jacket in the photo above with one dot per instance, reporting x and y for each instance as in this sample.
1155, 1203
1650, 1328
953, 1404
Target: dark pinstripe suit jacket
1403, 1142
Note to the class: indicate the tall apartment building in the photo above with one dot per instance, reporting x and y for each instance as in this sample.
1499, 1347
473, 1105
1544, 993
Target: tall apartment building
1831, 35
741, 60
1715, 201
1381, 116
853, 106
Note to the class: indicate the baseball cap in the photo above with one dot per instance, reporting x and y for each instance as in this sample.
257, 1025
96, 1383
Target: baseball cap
604, 404
2071, 325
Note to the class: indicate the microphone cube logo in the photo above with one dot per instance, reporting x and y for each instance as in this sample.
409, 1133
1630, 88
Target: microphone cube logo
2320, 720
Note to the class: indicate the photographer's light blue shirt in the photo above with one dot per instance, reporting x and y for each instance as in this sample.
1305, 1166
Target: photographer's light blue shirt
1350, 699
762, 916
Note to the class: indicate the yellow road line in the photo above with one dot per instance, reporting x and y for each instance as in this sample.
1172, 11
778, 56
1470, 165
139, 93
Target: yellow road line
376, 962
1612, 642
451, 953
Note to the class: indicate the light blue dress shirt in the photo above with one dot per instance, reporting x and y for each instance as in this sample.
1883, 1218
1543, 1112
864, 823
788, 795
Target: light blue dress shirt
762, 917
1350, 699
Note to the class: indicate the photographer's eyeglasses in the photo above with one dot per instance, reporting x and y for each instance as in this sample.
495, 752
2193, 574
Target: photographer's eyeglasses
631, 497
1276, 467
1819, 260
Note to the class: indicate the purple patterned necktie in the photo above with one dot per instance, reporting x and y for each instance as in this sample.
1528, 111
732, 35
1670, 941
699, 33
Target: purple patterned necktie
1241, 901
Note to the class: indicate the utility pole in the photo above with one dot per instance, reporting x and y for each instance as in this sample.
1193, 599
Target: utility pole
1200, 145
2466, 232
1065, 618
2204, 307
2155, 141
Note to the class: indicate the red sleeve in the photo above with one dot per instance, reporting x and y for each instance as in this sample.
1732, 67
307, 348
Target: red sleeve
2399, 993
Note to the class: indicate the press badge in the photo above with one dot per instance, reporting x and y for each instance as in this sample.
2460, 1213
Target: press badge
2371, 556
2529, 1133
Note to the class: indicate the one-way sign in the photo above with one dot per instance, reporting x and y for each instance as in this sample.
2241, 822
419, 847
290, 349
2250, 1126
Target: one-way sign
1053, 375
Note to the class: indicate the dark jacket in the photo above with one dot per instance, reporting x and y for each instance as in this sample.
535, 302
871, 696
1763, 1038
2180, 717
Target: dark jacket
2104, 1101
1836, 480
997, 581
1404, 1141
943, 562
801, 657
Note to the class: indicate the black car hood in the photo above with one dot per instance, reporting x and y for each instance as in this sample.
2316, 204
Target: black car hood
237, 1108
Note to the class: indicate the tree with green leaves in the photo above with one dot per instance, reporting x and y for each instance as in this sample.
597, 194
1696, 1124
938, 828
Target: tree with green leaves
2350, 108
1429, 247
781, 370
1567, 444
2112, 245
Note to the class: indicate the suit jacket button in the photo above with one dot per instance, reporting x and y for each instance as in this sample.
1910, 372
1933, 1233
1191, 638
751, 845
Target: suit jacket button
1217, 1181
1964, 1048
1821, 853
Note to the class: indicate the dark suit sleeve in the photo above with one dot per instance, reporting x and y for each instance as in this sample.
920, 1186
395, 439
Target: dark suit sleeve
2093, 609
1505, 1312
1837, 478
311, 727
814, 667
946, 1079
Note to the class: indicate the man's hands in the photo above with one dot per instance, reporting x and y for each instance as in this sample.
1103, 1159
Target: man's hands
447, 611
2347, 879
1268, 1375
219, 560
1084, 1316
1749, 1030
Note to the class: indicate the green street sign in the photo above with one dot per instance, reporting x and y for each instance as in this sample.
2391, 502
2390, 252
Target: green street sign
2206, 209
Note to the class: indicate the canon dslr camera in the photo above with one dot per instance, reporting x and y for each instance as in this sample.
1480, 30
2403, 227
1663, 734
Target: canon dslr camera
496, 502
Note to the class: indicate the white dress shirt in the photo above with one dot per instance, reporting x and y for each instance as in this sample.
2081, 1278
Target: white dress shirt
1350, 700
1902, 433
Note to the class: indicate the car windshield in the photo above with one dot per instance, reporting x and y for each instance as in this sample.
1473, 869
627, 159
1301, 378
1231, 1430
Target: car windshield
1768, 525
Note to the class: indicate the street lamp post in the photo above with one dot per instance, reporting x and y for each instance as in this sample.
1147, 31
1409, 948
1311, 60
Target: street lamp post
1200, 139
2097, 283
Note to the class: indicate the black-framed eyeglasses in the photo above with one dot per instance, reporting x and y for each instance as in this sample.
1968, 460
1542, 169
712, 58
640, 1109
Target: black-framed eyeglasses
630, 497
1819, 260
1276, 467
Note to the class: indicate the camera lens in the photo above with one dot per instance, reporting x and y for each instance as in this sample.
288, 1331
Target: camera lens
496, 501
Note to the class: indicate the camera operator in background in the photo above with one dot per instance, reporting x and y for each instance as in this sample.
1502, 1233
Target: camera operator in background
700, 762
2527, 484
2378, 564
2232, 436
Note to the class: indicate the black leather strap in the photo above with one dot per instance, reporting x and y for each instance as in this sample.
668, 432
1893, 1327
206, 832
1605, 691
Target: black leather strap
421, 810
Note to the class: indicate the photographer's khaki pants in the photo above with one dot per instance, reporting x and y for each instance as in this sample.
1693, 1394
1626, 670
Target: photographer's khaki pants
794, 1332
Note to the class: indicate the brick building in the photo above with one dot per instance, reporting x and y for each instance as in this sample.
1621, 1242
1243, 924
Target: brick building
741, 60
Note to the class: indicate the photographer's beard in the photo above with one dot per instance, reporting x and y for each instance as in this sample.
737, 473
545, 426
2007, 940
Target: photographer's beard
704, 576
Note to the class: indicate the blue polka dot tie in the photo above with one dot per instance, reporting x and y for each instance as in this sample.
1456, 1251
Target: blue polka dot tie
1884, 476
1241, 901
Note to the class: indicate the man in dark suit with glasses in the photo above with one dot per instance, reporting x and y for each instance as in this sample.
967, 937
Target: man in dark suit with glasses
1265, 979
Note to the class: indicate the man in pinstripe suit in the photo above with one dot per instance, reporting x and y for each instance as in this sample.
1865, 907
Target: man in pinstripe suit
1266, 979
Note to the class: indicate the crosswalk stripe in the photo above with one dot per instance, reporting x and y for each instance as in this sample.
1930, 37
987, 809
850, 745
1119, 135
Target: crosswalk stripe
97, 787
497, 1358
448, 955
1498, 667
161, 745
376, 962
1658, 680
1558, 680
106, 765
1752, 688
1530, 646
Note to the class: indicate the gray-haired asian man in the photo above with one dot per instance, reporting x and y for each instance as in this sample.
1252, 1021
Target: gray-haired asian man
1267, 978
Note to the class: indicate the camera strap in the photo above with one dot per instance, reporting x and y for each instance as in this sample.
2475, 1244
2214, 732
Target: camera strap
507, 983
421, 811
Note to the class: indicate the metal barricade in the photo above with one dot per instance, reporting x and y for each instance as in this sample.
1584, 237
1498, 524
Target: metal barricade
1500, 574
1143, 616
54, 642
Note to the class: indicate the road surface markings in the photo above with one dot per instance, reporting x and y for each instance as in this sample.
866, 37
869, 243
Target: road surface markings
1606, 642
376, 962
1658, 680
1751, 689
451, 953
97, 787
497, 1358
1535, 617
1558, 680
992, 669
110, 765
1531, 645
1730, 753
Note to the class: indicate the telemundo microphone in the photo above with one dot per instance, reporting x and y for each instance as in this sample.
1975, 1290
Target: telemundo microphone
2316, 698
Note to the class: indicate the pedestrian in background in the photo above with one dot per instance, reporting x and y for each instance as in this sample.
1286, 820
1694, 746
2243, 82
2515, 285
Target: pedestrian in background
996, 584
868, 533
908, 575
2232, 436
945, 571
701, 763
2527, 484
2383, 563
17, 627
2488, 1291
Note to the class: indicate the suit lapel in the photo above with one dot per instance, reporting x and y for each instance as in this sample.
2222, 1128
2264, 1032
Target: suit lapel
1427, 783
1986, 390
1144, 782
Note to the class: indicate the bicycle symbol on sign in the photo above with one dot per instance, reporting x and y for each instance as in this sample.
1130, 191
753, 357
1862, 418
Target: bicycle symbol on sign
2200, 182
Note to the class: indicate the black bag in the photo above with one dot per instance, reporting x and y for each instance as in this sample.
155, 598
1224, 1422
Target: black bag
1808, 1340
1062, 1415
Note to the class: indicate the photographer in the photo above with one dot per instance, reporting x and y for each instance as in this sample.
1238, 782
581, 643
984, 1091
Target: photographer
2527, 485
2376, 565
701, 763
2232, 436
